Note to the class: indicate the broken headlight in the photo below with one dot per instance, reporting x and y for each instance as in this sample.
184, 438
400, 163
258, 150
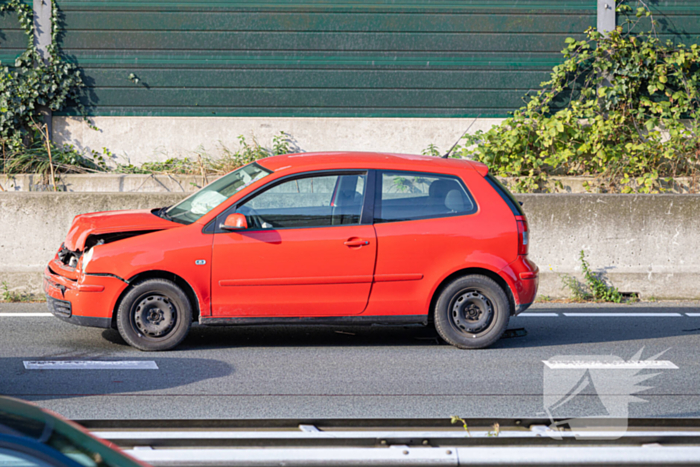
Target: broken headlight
87, 256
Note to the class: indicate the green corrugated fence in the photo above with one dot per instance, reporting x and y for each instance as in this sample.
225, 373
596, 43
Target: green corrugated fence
361, 58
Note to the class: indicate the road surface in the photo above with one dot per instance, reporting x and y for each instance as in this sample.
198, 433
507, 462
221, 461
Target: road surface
377, 372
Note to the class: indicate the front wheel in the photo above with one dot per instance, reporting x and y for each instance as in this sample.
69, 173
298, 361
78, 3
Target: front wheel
154, 315
472, 312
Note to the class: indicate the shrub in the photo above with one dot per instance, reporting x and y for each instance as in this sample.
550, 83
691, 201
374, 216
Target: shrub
623, 107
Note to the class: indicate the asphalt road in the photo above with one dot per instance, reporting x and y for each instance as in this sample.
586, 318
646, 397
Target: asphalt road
320, 372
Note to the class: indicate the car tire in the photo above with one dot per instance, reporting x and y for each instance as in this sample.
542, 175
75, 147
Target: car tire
154, 315
472, 312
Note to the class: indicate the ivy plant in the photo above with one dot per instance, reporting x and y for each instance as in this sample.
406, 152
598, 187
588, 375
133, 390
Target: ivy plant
623, 107
31, 83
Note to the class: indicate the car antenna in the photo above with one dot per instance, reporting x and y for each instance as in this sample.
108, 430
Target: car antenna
447, 154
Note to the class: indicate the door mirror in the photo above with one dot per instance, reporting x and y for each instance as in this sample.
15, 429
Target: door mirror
235, 221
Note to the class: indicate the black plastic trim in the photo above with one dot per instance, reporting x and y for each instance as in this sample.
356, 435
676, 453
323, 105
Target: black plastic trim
59, 307
367, 217
210, 228
506, 195
88, 321
521, 308
326, 320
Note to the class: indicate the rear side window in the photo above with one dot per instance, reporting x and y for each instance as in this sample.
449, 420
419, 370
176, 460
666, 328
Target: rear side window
404, 196
507, 196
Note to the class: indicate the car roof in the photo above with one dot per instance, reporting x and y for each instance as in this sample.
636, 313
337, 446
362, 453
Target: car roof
366, 160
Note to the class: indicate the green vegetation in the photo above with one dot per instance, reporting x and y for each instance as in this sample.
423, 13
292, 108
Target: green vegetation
623, 107
594, 288
206, 164
455, 419
495, 430
29, 85
431, 150
12, 296
66, 159
35, 159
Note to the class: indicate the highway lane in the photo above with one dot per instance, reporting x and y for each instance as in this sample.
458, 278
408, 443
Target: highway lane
320, 372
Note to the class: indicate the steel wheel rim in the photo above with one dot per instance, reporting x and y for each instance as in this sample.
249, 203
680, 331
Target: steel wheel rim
471, 312
154, 316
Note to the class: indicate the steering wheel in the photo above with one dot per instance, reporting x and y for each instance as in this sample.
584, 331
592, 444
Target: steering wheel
252, 216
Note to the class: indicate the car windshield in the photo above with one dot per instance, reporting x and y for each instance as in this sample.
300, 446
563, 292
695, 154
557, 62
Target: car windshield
194, 207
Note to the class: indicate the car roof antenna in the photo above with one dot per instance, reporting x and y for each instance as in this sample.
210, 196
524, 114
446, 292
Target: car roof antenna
447, 154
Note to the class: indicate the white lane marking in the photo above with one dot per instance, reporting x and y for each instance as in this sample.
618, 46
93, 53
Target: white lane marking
89, 365
25, 314
693, 315
621, 365
625, 315
549, 315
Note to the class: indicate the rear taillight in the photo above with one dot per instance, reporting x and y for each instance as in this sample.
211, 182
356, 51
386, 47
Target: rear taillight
523, 235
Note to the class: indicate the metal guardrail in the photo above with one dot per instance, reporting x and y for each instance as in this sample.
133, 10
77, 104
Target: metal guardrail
187, 443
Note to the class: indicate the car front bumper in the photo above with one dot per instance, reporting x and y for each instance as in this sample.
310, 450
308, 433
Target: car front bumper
86, 301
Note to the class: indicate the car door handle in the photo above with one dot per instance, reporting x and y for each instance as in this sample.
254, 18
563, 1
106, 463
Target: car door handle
356, 242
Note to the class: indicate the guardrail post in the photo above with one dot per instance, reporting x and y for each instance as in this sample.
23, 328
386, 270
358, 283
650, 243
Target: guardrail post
42, 39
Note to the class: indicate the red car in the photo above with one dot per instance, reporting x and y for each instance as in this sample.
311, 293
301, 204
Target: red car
332, 238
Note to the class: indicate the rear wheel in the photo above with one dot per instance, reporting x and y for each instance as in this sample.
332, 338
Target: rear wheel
472, 312
154, 315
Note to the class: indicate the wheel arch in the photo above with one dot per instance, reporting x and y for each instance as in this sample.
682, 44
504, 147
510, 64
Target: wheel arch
466, 272
158, 274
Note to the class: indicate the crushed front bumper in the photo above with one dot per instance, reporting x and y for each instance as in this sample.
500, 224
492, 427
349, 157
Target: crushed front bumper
86, 301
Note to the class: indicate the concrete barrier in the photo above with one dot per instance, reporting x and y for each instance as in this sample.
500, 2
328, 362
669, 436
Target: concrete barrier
108, 182
645, 244
178, 183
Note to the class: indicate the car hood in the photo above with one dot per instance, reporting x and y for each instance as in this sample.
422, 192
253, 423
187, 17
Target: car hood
100, 223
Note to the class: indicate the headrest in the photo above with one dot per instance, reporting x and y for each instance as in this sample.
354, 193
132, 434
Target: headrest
440, 188
454, 201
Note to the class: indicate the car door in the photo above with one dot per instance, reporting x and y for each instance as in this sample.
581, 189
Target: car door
306, 251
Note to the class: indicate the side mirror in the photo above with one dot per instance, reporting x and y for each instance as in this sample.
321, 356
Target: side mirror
235, 221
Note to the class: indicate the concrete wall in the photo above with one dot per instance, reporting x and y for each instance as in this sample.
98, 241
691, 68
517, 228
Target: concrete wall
163, 183
142, 139
107, 183
646, 244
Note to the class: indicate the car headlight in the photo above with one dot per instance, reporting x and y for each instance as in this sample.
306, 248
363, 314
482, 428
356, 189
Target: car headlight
87, 256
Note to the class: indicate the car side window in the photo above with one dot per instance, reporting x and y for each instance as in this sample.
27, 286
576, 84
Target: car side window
403, 196
310, 201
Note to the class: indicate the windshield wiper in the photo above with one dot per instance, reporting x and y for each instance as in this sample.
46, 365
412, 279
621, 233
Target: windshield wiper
163, 212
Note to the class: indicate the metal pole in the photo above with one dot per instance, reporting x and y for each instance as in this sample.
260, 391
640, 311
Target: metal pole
42, 39
606, 16
607, 21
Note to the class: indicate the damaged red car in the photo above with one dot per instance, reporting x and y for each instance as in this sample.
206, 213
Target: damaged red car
332, 238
